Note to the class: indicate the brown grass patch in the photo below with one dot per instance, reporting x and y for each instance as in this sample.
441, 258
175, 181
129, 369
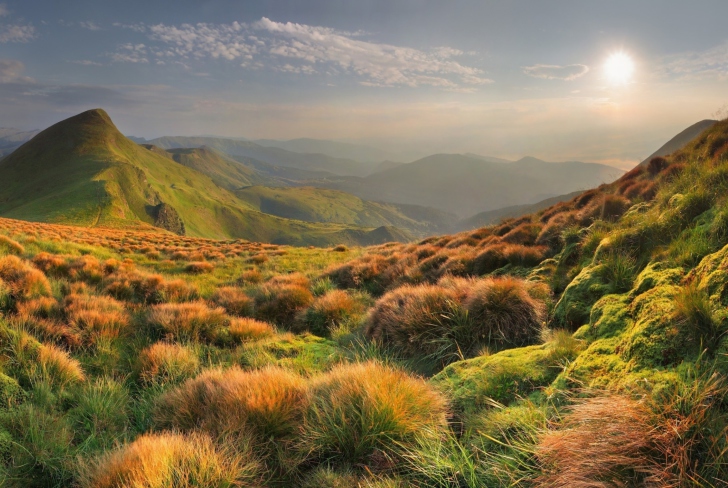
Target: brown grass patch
193, 321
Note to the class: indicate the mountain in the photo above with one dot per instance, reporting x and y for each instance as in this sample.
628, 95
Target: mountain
84, 171
320, 205
490, 159
465, 185
224, 171
334, 149
682, 139
271, 155
492, 217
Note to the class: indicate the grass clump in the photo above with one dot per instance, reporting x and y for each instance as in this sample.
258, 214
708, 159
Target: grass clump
247, 329
328, 311
367, 412
193, 321
279, 303
23, 280
171, 460
233, 300
269, 403
10, 246
165, 362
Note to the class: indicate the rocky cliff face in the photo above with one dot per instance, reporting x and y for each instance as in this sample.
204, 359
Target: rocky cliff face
166, 217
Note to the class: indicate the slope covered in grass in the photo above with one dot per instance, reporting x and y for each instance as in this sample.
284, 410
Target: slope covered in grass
84, 171
321, 205
583, 345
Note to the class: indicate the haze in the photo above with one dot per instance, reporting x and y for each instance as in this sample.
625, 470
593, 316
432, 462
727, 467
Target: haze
503, 79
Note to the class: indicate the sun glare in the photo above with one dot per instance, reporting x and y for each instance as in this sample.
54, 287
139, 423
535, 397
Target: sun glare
619, 68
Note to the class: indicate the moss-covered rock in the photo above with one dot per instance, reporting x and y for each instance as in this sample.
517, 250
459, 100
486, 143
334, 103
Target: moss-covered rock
610, 316
574, 308
502, 377
711, 275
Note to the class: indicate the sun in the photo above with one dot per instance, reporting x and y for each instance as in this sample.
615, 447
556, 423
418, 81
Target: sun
619, 68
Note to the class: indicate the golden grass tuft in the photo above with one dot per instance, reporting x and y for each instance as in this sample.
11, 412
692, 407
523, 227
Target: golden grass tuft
269, 402
233, 300
199, 267
192, 321
164, 362
329, 310
247, 329
279, 302
171, 460
93, 317
362, 410
24, 281
58, 366
9, 246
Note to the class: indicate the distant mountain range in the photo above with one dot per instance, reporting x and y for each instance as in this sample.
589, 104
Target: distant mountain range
466, 185
82, 170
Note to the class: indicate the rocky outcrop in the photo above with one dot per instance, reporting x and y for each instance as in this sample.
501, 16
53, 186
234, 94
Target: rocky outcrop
166, 217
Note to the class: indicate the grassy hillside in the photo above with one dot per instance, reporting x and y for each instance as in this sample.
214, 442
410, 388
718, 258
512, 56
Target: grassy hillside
321, 205
583, 345
467, 185
681, 140
271, 155
83, 171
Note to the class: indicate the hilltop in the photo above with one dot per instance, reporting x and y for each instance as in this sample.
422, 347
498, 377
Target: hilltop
84, 171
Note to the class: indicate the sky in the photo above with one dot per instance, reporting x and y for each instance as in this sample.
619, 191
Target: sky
504, 78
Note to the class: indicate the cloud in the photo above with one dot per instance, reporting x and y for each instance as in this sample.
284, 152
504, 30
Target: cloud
11, 71
131, 53
4, 10
86, 62
299, 48
92, 26
712, 63
570, 72
16, 33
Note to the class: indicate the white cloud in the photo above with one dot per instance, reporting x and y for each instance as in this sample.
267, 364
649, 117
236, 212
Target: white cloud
380, 64
712, 63
4, 10
17, 33
92, 26
131, 53
300, 48
86, 62
11, 71
569, 72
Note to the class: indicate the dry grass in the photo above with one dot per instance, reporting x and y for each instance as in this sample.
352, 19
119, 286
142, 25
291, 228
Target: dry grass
199, 267
58, 366
171, 460
279, 303
366, 412
193, 321
24, 281
9, 246
132, 285
247, 329
329, 310
164, 362
233, 300
94, 317
505, 312
601, 442
269, 402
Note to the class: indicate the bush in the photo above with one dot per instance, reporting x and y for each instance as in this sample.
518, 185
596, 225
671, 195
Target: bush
167, 363
247, 329
269, 402
504, 313
359, 410
234, 301
279, 303
328, 311
171, 460
187, 321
